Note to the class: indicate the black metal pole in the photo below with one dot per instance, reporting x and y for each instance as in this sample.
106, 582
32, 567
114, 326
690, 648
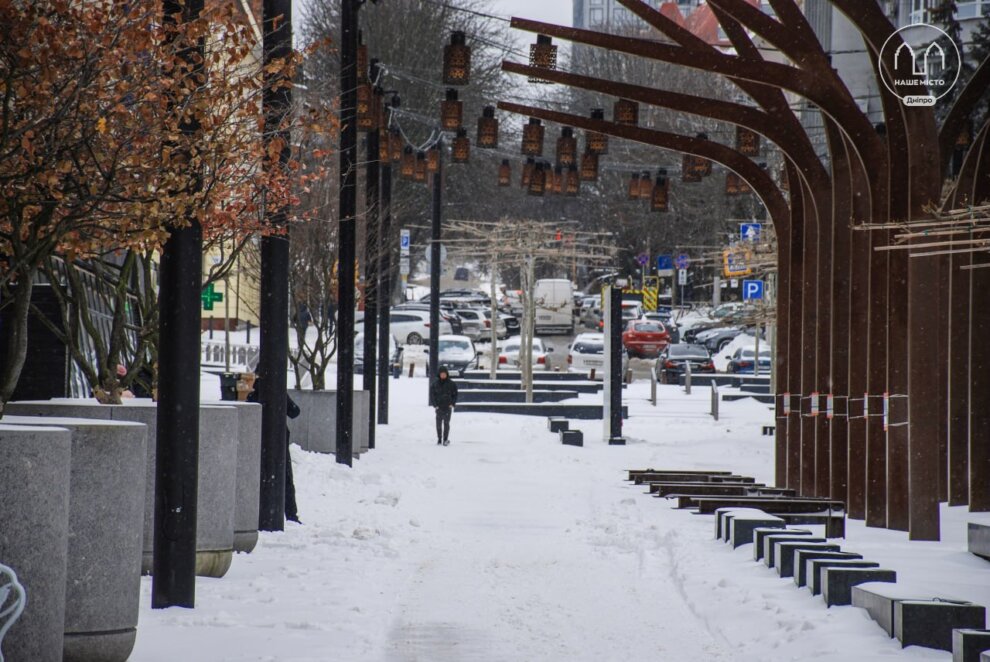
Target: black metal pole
347, 233
273, 328
435, 237
615, 368
384, 291
372, 166
177, 438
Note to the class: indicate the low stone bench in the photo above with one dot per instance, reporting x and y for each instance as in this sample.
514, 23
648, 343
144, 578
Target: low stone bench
978, 537
761, 534
571, 437
814, 570
969, 643
786, 553
742, 525
802, 556
771, 546
930, 623
834, 522
635, 472
838, 581
721, 526
878, 599
669, 476
557, 423
668, 488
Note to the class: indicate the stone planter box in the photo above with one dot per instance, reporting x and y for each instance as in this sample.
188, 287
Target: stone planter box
248, 491
34, 527
106, 513
315, 428
218, 435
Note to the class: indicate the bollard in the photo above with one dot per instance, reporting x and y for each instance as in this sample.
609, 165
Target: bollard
687, 377
629, 376
591, 375
653, 388
412, 369
714, 401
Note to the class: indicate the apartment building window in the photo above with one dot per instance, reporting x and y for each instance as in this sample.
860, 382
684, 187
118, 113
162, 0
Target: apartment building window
972, 9
596, 17
919, 11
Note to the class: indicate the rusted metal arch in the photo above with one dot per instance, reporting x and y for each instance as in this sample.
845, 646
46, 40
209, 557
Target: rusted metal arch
756, 177
962, 111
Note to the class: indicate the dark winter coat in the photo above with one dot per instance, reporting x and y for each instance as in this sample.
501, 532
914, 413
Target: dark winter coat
443, 393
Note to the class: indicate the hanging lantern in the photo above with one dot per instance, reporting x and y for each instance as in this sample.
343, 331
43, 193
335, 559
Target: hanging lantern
645, 185
660, 197
383, 153
532, 140
747, 142
457, 60
689, 171
461, 147
538, 180
421, 168
361, 64
595, 142
634, 187
566, 147
527, 171
451, 112
488, 129
505, 173
558, 180
626, 112
734, 184
395, 144
572, 181
589, 167
365, 107
408, 167
433, 159
543, 55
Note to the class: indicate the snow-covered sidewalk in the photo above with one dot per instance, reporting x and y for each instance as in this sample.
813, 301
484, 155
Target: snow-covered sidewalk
508, 546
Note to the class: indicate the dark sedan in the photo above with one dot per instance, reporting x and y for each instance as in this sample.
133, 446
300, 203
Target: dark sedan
672, 361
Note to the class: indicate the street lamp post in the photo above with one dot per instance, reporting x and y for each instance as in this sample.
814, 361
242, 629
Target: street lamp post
372, 210
435, 237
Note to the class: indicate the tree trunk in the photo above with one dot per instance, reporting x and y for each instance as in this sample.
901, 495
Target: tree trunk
17, 336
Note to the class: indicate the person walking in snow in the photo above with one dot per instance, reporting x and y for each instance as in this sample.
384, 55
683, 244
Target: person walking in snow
443, 397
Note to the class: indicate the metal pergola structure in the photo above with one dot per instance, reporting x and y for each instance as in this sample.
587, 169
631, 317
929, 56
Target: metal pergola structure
884, 334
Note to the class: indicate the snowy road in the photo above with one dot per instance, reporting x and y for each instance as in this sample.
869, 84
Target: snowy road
506, 546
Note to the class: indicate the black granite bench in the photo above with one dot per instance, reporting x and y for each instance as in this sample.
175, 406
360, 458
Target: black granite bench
802, 557
557, 423
688, 498
513, 396
670, 477
761, 534
742, 525
969, 643
571, 437
814, 568
930, 623
803, 510
689, 472
771, 546
786, 554
838, 581
834, 523
979, 539
662, 488
584, 412
721, 524
880, 602
769, 430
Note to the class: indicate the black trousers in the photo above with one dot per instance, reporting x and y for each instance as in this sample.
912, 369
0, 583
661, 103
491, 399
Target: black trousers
443, 422
291, 512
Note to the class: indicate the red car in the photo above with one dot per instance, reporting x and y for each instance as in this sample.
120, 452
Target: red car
645, 338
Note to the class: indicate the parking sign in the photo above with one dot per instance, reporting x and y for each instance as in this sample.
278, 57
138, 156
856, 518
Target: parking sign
683, 261
404, 242
752, 290
750, 231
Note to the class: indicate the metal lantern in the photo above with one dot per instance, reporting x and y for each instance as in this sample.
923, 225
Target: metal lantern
457, 60
365, 107
589, 167
488, 129
690, 174
421, 168
747, 142
505, 173
660, 197
634, 187
527, 171
433, 159
734, 184
566, 147
702, 166
572, 181
595, 142
558, 180
626, 112
532, 140
451, 112
543, 55
645, 185
537, 180
383, 153
408, 167
395, 144
461, 148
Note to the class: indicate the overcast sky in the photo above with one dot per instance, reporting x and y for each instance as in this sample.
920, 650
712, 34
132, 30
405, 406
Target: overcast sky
550, 11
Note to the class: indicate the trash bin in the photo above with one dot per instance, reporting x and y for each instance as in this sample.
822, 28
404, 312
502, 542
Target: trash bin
228, 385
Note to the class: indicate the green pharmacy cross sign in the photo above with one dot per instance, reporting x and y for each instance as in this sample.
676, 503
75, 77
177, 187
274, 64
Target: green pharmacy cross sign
210, 297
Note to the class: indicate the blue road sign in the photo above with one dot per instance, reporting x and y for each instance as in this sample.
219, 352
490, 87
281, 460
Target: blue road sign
750, 231
643, 260
683, 261
404, 239
665, 262
752, 290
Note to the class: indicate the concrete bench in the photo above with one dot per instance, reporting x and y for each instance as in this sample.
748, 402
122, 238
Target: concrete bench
558, 423
665, 488
978, 536
930, 623
969, 643
838, 581
671, 477
721, 524
635, 472
742, 525
761, 534
771, 546
775, 505
814, 569
880, 601
834, 522
802, 556
786, 553
571, 437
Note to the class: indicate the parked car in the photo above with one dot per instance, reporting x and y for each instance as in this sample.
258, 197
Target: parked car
509, 353
501, 329
457, 353
587, 353
664, 318
743, 359
717, 340
411, 327
512, 326
446, 313
394, 352
462, 273
644, 338
673, 361
554, 305
631, 310
472, 322
591, 313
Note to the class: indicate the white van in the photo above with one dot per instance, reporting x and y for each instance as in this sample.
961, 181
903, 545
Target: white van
554, 298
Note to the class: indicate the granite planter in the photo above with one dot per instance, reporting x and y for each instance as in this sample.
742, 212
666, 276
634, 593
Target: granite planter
248, 491
35, 465
106, 513
315, 427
